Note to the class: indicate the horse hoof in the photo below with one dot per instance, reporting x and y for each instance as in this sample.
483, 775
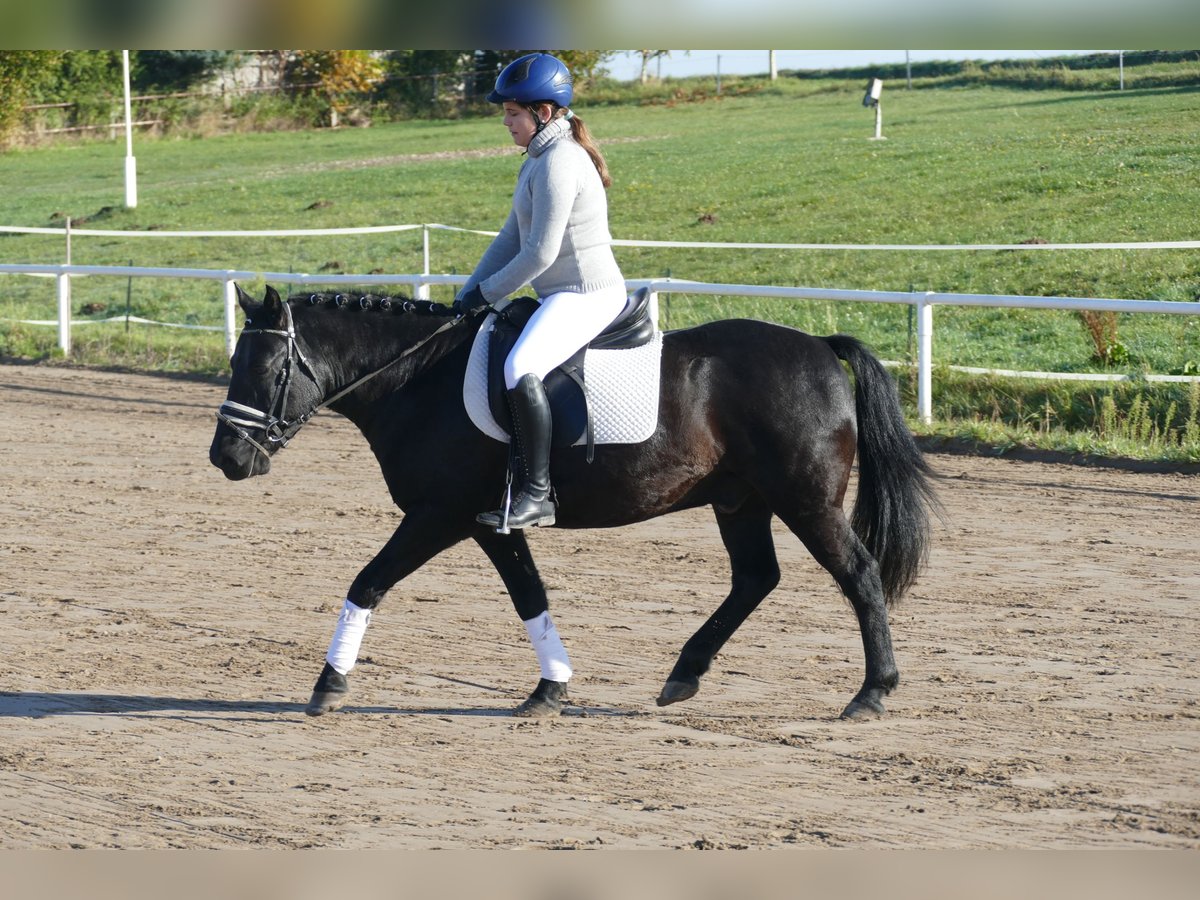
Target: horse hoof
862, 710
675, 691
325, 701
331, 692
545, 702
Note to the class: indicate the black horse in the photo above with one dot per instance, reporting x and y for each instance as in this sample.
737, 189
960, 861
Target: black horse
755, 419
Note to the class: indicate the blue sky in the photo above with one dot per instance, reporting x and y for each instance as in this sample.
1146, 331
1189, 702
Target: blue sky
681, 63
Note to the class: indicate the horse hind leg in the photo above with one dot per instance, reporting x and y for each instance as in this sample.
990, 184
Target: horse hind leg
828, 536
755, 572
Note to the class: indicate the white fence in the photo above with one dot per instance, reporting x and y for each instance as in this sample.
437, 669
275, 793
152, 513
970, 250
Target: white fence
923, 302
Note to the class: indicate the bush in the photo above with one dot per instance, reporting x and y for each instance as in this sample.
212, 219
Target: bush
24, 74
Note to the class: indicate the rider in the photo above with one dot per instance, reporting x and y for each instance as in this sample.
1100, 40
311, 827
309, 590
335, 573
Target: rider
556, 239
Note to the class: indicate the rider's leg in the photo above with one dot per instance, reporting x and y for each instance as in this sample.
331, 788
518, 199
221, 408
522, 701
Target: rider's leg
562, 324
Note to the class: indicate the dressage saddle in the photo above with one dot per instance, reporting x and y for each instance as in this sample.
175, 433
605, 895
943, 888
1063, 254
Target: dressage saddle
566, 386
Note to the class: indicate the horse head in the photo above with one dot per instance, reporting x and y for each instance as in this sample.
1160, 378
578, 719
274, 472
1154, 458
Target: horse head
272, 390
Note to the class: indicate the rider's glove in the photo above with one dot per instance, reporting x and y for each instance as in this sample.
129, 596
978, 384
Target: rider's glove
467, 301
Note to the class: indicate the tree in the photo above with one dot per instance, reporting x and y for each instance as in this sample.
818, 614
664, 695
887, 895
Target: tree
178, 70
335, 75
647, 56
419, 80
24, 74
585, 65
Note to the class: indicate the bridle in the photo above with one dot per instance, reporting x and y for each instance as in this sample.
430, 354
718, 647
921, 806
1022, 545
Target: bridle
277, 429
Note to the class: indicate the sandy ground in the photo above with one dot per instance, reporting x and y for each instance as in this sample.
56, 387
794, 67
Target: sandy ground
162, 628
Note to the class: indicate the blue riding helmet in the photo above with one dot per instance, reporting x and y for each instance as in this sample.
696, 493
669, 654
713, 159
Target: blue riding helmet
532, 79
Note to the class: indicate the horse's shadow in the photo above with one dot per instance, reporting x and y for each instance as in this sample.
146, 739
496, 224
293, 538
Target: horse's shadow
41, 704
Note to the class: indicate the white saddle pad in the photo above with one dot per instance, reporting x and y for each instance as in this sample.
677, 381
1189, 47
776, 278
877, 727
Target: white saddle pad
622, 387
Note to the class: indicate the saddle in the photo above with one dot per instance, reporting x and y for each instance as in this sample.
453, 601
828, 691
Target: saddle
566, 387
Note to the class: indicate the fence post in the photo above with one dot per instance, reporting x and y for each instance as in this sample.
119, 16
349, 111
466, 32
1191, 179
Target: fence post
63, 283
230, 316
63, 287
924, 357
422, 291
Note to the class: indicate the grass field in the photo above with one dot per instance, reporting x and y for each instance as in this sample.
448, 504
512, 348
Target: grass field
788, 162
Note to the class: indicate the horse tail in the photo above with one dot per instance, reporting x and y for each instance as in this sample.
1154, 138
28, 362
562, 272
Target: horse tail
895, 494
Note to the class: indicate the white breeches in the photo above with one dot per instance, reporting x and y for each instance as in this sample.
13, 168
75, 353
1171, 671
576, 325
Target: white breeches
562, 324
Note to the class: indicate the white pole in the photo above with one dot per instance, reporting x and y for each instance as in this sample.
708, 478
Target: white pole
924, 358
130, 162
718, 74
908, 69
231, 305
771, 61
64, 313
1121, 64
879, 121
422, 292
63, 288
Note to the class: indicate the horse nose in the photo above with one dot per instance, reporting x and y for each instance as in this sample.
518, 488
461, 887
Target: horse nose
231, 456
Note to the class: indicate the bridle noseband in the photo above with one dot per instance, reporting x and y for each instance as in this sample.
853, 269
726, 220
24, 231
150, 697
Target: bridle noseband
277, 430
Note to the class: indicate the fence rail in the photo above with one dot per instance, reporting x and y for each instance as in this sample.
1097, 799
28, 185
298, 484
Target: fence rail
923, 302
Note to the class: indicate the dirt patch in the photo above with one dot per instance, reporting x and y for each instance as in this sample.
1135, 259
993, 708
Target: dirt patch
163, 628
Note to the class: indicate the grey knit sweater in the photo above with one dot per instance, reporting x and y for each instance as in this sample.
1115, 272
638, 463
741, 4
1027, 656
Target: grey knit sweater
556, 238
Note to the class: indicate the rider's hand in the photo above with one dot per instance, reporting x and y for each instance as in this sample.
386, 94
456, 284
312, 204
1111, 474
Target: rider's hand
467, 301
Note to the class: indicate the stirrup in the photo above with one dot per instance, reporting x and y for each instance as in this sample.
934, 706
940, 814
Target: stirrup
542, 515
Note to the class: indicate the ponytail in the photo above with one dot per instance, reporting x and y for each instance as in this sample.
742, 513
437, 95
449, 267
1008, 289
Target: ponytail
583, 138
579, 131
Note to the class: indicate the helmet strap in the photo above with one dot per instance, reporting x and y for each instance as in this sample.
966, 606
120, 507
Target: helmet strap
538, 124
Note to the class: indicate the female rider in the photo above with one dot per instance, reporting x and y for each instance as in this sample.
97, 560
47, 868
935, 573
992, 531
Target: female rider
556, 239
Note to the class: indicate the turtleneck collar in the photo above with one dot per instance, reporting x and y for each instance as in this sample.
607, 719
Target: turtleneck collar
548, 135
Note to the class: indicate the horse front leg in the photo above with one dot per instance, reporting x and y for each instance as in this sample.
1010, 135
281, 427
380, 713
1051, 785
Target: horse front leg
418, 539
510, 555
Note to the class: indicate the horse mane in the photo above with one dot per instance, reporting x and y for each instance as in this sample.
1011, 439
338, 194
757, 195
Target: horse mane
380, 303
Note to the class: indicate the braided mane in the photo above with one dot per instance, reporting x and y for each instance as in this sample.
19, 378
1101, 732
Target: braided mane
371, 303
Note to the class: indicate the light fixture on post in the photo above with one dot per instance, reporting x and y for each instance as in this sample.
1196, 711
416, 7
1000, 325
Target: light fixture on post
871, 98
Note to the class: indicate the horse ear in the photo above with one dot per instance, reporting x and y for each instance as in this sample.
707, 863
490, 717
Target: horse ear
272, 301
248, 304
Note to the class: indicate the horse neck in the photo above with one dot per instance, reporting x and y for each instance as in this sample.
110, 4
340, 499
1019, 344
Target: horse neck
354, 345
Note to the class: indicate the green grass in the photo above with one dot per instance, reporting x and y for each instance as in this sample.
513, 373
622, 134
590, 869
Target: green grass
783, 162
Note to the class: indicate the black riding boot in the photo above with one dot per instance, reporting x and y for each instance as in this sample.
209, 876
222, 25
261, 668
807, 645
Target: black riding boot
531, 503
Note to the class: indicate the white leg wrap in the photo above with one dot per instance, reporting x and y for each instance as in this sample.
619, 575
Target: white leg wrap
551, 654
348, 637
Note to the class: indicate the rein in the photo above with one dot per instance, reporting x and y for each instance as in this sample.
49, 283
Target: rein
276, 428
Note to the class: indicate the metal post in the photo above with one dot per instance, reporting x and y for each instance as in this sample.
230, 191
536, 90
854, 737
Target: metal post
924, 357
64, 312
422, 291
879, 121
1121, 63
771, 65
718, 74
231, 305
